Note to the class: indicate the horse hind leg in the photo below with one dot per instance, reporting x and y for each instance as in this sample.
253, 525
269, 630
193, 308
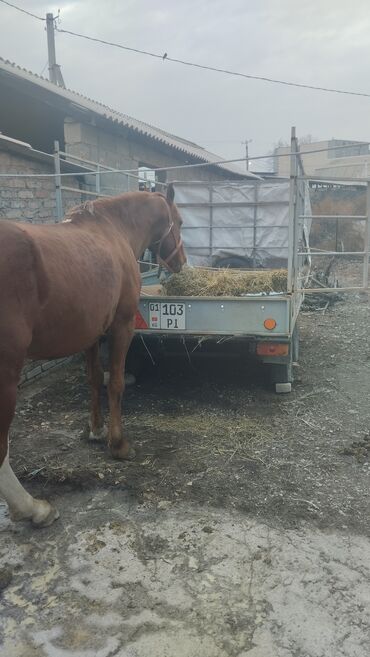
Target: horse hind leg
97, 430
120, 338
22, 506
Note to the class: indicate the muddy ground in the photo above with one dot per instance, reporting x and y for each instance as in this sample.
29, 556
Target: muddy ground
241, 528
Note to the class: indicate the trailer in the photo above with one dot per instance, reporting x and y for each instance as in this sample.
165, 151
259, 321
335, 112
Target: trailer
255, 224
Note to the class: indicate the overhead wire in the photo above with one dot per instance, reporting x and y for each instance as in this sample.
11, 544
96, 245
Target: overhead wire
165, 57
186, 63
23, 11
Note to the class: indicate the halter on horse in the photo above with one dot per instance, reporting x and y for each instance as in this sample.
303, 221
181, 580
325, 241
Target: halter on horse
65, 285
178, 245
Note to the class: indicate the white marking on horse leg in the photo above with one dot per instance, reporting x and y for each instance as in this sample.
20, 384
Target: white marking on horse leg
99, 434
19, 501
22, 506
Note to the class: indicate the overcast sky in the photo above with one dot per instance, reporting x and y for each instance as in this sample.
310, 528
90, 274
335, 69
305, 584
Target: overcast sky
320, 42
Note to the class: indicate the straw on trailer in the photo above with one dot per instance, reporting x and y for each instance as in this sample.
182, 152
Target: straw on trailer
203, 282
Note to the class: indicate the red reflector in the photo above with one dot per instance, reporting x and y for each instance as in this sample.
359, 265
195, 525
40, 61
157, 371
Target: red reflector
272, 349
140, 321
269, 323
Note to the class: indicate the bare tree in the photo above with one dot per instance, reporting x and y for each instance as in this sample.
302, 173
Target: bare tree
306, 139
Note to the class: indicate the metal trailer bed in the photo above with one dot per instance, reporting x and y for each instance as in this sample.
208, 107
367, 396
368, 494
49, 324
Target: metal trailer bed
263, 325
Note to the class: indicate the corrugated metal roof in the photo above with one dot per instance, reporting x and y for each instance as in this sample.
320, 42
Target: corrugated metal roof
177, 143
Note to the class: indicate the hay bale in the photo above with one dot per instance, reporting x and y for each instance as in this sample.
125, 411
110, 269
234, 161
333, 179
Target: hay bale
201, 282
152, 290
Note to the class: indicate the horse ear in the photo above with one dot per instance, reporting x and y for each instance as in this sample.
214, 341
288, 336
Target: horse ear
170, 193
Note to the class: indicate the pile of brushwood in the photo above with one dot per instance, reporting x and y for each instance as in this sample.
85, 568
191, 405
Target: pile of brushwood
322, 278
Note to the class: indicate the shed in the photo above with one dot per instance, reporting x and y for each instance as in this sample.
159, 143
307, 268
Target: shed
38, 112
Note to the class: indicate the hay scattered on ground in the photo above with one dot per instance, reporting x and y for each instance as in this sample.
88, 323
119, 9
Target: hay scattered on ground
204, 440
200, 282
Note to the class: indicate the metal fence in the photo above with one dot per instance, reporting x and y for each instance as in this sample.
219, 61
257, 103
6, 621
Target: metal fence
297, 217
299, 253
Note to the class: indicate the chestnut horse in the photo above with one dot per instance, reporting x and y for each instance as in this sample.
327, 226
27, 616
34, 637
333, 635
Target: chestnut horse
62, 287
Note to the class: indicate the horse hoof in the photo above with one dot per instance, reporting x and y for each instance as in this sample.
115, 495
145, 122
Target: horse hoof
98, 435
123, 453
130, 379
43, 514
131, 454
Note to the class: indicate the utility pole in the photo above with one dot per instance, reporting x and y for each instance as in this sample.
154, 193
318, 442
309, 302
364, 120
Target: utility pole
55, 74
246, 142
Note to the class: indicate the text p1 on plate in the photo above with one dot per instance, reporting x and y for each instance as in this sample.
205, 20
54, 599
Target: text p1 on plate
167, 316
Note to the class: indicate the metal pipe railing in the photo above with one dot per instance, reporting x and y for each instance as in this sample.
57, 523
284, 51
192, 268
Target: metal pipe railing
77, 190
352, 217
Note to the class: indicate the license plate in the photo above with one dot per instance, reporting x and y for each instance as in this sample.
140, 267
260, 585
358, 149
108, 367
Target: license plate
167, 316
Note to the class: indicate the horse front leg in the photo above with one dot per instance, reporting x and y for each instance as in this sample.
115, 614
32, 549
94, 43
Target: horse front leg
22, 506
97, 430
121, 335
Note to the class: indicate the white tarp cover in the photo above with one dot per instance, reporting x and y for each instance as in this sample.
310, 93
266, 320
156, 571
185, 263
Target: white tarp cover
249, 219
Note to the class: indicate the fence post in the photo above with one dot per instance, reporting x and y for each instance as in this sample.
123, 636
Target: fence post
255, 200
367, 239
211, 222
97, 180
292, 246
58, 182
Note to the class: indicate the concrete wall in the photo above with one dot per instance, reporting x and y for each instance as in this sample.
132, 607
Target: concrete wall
119, 152
90, 143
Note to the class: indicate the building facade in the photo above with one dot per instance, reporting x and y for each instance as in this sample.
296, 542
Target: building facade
332, 158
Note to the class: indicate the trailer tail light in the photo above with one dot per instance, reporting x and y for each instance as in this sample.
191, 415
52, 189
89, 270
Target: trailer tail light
140, 322
269, 323
272, 349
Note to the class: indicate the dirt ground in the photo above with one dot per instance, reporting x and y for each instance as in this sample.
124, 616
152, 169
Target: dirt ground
241, 528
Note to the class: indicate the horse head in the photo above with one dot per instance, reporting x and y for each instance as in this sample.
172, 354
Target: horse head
169, 249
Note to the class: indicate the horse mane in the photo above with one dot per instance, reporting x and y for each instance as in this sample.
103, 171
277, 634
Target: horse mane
84, 208
88, 208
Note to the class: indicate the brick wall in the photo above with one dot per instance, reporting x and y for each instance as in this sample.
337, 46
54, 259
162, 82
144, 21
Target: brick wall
31, 199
